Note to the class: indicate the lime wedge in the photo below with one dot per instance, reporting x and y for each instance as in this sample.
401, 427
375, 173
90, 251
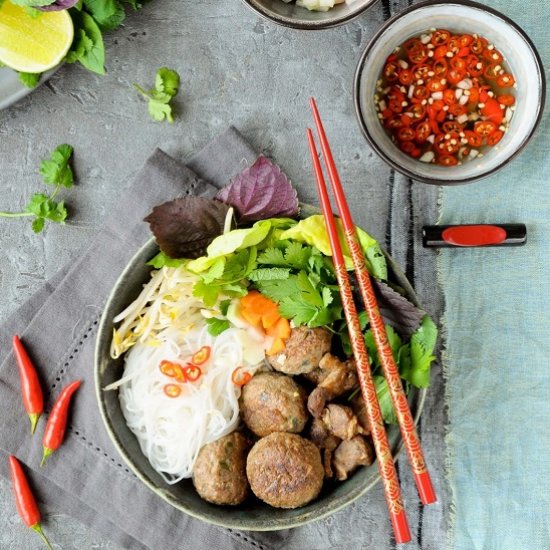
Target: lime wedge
33, 44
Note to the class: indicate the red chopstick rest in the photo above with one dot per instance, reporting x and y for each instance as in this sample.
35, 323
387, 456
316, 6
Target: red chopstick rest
474, 235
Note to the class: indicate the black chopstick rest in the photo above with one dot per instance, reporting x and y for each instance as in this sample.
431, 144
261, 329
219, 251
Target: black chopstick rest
474, 235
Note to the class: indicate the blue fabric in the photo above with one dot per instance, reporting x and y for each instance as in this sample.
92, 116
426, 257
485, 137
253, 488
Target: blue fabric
497, 345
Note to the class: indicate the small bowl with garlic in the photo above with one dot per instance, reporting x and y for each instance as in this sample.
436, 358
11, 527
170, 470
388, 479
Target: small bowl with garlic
449, 92
309, 14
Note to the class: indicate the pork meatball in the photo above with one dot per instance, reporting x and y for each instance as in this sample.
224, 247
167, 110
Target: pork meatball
285, 470
303, 351
273, 402
219, 474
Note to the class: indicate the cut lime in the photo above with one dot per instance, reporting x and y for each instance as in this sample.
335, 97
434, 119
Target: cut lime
33, 44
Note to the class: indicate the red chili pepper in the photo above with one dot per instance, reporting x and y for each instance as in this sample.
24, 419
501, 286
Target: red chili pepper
201, 356
57, 421
492, 111
31, 392
172, 390
192, 372
24, 499
240, 377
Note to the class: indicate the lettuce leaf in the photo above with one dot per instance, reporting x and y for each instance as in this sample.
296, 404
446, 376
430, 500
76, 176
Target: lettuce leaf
312, 230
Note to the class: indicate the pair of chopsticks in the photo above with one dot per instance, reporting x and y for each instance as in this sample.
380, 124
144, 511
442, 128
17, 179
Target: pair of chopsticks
386, 466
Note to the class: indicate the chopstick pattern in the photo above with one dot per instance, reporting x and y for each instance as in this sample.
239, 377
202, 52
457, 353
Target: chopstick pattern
376, 421
401, 405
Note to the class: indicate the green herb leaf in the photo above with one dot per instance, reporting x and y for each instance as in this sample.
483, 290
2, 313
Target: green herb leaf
272, 256
269, 274
208, 293
384, 399
297, 255
88, 47
224, 306
38, 224
30, 80
215, 272
279, 289
43, 207
416, 357
217, 326
162, 260
56, 169
296, 309
108, 14
166, 87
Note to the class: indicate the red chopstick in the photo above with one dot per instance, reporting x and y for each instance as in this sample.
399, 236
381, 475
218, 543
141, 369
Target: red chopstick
389, 368
392, 490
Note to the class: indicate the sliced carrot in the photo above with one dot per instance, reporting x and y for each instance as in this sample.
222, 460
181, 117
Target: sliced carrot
277, 346
251, 316
280, 330
270, 317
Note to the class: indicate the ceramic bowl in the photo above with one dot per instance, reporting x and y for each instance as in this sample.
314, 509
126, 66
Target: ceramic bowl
291, 15
253, 515
460, 17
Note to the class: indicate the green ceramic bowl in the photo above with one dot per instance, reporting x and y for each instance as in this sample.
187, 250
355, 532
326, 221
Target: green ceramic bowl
253, 515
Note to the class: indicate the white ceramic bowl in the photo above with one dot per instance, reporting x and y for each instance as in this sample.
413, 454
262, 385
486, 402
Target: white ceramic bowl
460, 17
291, 15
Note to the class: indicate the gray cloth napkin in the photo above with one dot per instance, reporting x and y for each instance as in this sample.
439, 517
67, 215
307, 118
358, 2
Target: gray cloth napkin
86, 478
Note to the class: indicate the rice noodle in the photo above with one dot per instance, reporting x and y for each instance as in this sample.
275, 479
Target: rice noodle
165, 323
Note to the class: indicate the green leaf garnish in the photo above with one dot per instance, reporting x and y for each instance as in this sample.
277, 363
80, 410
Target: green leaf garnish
167, 83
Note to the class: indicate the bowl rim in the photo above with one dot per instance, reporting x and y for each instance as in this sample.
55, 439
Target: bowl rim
230, 521
405, 171
302, 24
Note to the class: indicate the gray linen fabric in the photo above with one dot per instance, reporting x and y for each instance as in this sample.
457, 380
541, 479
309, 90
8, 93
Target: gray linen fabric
58, 325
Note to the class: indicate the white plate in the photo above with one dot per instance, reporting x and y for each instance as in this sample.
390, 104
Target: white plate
11, 90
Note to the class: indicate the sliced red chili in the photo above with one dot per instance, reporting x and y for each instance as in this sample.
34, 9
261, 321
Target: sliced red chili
423, 131
493, 56
454, 44
447, 160
435, 85
393, 123
192, 372
474, 66
456, 109
172, 390
418, 111
391, 71
406, 133
474, 95
454, 76
407, 147
492, 111
494, 138
406, 120
440, 67
201, 356
411, 44
440, 52
506, 99
484, 127
478, 45
458, 64
452, 126
421, 92
395, 105
421, 71
440, 36
506, 80
447, 143
406, 77
464, 51
466, 40
474, 140
491, 72
240, 377
449, 96
418, 54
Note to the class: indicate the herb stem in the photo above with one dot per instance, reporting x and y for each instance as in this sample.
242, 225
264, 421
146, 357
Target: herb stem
142, 91
15, 214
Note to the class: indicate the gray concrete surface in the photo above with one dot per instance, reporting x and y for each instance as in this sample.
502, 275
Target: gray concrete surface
235, 69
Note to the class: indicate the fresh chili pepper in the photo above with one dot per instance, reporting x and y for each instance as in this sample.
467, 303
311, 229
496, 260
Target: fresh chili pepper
442, 97
172, 390
172, 370
240, 377
201, 356
57, 421
192, 372
31, 392
24, 499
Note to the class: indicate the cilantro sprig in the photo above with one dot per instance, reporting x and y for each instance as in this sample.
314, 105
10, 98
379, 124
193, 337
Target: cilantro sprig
167, 83
56, 171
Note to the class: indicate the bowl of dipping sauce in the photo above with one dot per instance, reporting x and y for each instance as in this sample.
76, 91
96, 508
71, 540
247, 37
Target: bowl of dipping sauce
448, 93
309, 14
